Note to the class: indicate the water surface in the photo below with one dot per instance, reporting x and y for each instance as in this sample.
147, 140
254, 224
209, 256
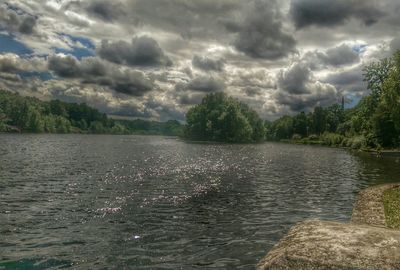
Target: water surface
146, 202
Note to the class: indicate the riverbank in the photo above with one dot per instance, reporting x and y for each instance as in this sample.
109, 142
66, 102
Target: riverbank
367, 242
391, 201
355, 147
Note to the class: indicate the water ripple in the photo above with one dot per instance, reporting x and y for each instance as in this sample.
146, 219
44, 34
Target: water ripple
97, 202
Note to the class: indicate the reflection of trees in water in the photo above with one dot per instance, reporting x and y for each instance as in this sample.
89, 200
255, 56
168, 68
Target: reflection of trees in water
378, 170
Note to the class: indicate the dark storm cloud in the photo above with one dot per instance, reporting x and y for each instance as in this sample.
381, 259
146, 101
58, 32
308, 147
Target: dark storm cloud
66, 67
94, 71
299, 90
348, 81
189, 19
106, 10
294, 79
105, 101
7, 65
319, 95
333, 12
28, 25
13, 22
142, 51
249, 49
206, 84
341, 55
262, 35
207, 64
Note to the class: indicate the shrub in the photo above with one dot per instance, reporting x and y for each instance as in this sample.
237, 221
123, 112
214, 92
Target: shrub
356, 142
332, 139
296, 137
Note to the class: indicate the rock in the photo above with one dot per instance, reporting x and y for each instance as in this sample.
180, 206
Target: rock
332, 245
369, 208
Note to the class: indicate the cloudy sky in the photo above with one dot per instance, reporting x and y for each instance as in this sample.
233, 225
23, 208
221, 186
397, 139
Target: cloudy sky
154, 59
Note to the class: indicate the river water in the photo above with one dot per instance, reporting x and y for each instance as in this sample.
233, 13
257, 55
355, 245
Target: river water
148, 202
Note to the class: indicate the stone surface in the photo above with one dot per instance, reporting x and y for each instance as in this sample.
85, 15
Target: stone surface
368, 208
331, 245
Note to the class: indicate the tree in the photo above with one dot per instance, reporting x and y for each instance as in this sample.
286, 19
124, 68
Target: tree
35, 121
375, 74
389, 106
283, 128
300, 124
63, 125
28, 114
319, 120
3, 119
96, 127
222, 118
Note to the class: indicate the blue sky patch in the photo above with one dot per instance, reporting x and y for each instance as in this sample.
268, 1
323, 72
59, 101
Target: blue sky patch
78, 52
75, 51
360, 48
84, 41
352, 101
8, 44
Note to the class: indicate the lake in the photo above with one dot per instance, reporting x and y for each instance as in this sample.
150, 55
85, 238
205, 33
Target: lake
149, 202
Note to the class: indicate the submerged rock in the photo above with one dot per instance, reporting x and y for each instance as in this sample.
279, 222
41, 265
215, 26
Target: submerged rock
332, 245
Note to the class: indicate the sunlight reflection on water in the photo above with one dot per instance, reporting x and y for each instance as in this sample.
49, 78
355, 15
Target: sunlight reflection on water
148, 202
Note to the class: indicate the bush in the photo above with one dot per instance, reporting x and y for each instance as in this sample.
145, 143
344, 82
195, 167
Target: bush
296, 137
332, 139
358, 142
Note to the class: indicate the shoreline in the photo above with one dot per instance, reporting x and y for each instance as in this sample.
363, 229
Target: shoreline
395, 151
378, 152
366, 242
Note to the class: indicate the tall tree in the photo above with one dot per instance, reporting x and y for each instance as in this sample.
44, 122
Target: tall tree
222, 118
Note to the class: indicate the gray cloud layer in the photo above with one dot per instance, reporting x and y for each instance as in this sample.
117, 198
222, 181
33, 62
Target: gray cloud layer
207, 64
142, 51
11, 21
332, 13
278, 56
94, 71
262, 35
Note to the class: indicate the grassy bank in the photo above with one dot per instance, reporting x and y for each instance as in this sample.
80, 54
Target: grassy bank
392, 207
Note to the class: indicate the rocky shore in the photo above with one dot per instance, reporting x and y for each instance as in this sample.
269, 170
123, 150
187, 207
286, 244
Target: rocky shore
364, 243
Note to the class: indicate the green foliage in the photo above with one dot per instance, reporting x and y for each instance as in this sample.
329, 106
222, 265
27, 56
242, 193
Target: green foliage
332, 139
373, 123
2, 121
27, 114
375, 74
224, 119
391, 201
139, 126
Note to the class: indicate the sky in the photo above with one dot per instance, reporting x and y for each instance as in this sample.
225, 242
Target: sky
154, 59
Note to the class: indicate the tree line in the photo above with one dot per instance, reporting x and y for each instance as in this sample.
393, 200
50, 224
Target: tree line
373, 123
29, 114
